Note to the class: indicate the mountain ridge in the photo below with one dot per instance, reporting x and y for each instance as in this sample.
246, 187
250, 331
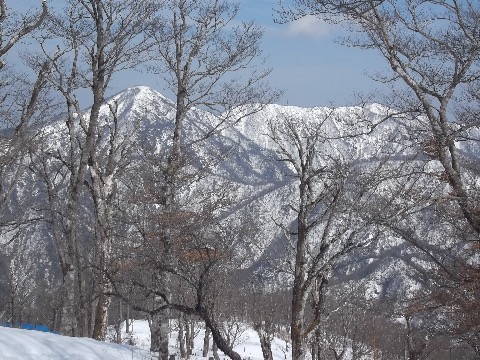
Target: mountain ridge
245, 155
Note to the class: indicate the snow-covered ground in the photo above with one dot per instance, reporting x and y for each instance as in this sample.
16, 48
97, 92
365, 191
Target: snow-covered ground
16, 344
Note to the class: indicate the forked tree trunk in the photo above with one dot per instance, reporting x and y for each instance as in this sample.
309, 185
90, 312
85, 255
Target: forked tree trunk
76, 182
265, 340
218, 340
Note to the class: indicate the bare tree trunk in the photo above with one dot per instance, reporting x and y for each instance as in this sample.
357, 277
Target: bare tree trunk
101, 316
215, 351
159, 336
160, 327
414, 351
206, 342
313, 268
188, 57
105, 287
77, 179
265, 340
181, 335
109, 46
191, 343
103, 194
84, 309
71, 276
218, 340
189, 336
299, 343
316, 348
118, 323
299, 348
68, 323
127, 320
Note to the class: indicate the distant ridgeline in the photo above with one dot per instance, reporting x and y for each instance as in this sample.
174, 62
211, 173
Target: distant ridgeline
43, 328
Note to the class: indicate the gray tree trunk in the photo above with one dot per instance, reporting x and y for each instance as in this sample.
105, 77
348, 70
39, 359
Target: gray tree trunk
181, 335
206, 342
160, 326
159, 336
265, 340
189, 336
215, 351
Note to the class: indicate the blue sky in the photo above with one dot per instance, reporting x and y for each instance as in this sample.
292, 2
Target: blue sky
308, 63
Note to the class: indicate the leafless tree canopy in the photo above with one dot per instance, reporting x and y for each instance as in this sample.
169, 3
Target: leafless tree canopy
433, 49
349, 231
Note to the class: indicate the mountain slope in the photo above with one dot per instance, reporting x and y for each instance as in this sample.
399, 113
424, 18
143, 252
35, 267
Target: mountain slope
246, 157
245, 154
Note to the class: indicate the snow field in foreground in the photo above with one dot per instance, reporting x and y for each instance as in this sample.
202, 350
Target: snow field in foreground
16, 344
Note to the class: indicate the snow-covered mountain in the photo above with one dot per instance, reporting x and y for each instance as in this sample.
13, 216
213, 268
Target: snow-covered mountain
246, 156
388, 181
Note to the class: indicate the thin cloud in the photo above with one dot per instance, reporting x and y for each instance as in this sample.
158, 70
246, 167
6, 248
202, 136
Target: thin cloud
309, 26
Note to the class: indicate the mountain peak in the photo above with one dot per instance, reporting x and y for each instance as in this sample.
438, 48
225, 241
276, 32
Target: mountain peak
140, 94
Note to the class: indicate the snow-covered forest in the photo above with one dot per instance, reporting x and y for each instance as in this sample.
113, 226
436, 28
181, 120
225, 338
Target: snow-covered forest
338, 232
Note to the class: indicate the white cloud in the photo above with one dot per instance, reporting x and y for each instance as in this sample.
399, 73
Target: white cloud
309, 26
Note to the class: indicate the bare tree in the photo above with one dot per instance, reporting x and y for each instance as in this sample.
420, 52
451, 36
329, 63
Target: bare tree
433, 50
264, 310
12, 35
21, 283
19, 97
96, 39
22, 105
207, 62
204, 248
326, 226
107, 165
